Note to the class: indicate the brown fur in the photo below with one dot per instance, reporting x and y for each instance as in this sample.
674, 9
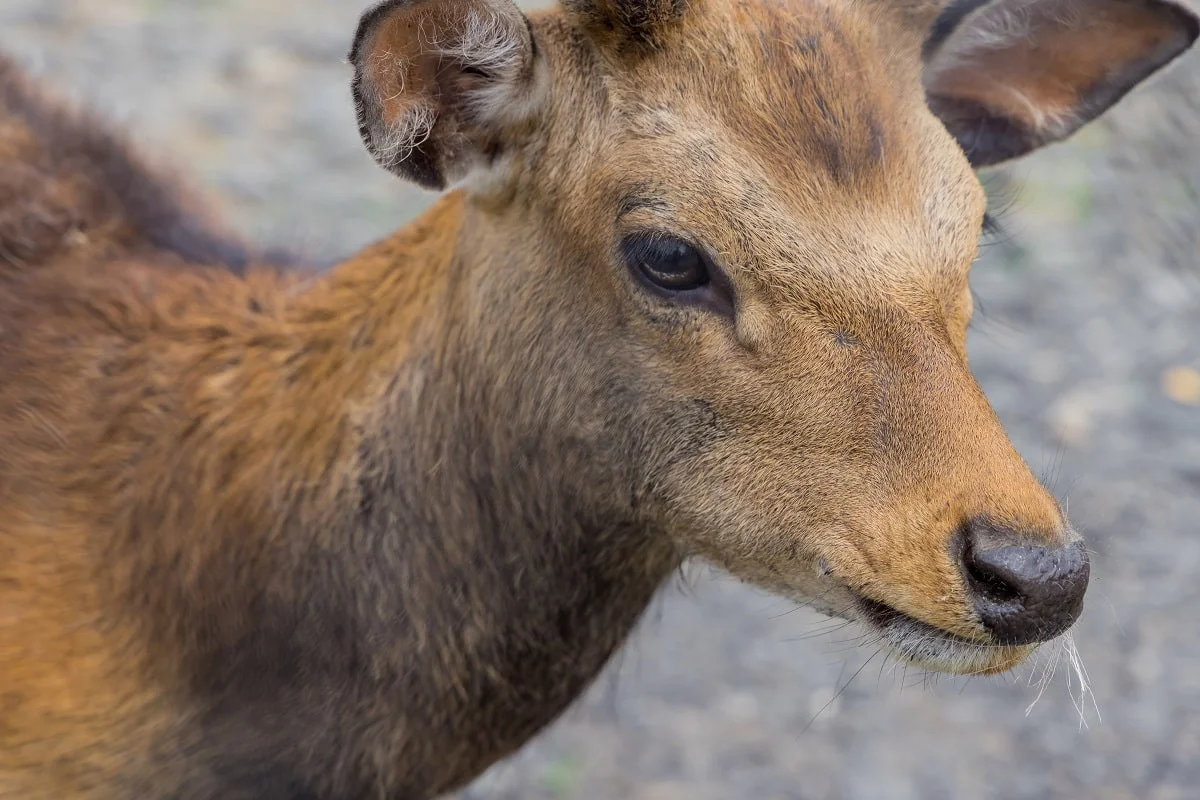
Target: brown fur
69, 184
361, 534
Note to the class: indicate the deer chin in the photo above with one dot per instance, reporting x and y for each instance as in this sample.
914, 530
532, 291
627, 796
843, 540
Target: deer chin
906, 638
926, 646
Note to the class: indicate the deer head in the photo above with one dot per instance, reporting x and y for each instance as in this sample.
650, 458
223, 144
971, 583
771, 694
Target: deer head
721, 247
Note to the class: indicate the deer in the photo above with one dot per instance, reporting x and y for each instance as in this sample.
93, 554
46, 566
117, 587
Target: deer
695, 286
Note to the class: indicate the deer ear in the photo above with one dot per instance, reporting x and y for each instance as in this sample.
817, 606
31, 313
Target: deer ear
441, 85
1009, 76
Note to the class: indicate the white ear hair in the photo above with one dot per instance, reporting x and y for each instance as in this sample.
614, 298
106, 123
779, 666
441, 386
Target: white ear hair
487, 43
441, 84
1010, 76
998, 26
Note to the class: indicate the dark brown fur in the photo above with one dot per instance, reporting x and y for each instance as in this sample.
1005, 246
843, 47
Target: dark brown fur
292, 536
70, 183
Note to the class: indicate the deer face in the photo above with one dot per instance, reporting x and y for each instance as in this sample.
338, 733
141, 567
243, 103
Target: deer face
745, 232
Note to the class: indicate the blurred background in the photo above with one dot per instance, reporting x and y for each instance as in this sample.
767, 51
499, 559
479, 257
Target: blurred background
1086, 340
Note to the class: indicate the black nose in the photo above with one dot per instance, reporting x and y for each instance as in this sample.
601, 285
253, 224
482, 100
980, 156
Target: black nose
1023, 592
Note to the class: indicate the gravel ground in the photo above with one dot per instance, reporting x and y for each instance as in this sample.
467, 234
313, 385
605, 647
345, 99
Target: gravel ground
1087, 342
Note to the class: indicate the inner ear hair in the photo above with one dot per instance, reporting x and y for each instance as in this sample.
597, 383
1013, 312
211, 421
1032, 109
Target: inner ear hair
438, 84
947, 22
1007, 77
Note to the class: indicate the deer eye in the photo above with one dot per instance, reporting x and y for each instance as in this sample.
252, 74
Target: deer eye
666, 261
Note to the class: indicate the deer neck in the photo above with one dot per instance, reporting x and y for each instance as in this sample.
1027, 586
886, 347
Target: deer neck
450, 585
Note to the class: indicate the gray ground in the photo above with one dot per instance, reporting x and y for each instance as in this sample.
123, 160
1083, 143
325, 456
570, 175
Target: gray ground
1086, 342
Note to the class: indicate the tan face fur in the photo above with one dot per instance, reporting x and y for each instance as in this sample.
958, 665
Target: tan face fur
701, 288
848, 453
853, 441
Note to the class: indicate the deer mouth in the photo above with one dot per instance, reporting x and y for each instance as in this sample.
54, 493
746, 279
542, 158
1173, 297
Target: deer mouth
928, 646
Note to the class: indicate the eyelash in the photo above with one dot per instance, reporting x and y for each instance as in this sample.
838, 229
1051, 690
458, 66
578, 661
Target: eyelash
1000, 199
993, 226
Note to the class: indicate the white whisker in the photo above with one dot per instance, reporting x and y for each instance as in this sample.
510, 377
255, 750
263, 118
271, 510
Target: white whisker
1085, 685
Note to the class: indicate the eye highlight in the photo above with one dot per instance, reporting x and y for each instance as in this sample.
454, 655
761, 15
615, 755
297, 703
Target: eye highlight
667, 262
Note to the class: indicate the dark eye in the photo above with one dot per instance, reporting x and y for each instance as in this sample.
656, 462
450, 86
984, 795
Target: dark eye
666, 261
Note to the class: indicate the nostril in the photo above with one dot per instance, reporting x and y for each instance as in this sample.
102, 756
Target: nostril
989, 583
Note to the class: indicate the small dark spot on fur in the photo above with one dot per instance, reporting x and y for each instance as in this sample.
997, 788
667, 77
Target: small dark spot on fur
845, 338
